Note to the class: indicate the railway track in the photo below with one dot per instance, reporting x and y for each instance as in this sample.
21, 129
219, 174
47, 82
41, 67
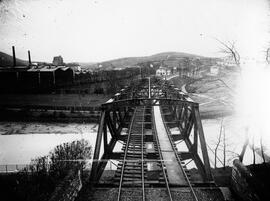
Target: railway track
131, 170
130, 174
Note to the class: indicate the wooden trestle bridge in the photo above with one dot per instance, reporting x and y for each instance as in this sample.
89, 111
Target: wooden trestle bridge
161, 134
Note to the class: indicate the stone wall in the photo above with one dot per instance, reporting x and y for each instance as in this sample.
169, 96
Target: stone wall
69, 188
243, 182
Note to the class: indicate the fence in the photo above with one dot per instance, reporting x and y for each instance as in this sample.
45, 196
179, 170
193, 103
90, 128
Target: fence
12, 168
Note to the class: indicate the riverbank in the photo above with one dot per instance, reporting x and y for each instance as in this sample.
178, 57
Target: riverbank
89, 115
64, 108
22, 141
214, 92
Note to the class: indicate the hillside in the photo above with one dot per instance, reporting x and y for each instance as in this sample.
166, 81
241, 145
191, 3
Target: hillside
7, 60
169, 57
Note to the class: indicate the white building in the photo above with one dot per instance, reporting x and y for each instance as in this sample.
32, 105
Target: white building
214, 70
163, 71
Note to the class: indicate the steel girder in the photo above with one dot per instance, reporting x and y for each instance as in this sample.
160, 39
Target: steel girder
188, 118
117, 113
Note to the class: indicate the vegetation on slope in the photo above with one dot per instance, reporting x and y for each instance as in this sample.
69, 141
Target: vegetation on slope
7, 60
39, 180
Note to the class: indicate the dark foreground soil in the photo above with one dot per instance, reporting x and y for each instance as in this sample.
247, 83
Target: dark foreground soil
152, 194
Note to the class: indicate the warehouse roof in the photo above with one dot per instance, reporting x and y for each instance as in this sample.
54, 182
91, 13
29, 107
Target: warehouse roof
13, 69
48, 68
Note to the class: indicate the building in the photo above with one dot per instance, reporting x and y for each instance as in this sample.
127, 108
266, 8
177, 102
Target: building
163, 71
10, 78
214, 70
49, 76
58, 61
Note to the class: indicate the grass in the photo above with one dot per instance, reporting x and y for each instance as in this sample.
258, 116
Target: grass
215, 98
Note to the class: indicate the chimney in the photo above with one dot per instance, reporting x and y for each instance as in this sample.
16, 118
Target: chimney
14, 56
29, 58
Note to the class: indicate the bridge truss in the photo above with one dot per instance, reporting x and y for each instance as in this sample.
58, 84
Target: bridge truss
177, 109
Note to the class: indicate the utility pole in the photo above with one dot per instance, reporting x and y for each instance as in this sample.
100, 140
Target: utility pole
29, 58
149, 88
14, 56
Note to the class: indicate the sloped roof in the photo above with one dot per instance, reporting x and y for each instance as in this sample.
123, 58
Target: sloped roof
48, 68
13, 69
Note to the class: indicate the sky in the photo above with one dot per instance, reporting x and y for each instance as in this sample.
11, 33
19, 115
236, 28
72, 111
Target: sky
98, 30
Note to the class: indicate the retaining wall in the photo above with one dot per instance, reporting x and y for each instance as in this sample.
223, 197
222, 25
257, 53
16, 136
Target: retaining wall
69, 188
243, 182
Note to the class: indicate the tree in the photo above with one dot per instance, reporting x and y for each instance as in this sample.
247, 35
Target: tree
47, 171
230, 50
218, 143
253, 151
224, 148
262, 150
69, 156
267, 57
241, 156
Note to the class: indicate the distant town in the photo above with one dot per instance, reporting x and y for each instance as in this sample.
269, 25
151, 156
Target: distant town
55, 76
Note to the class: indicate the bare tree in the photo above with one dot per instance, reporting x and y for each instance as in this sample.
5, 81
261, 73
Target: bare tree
253, 151
224, 148
241, 156
230, 49
218, 143
262, 150
267, 57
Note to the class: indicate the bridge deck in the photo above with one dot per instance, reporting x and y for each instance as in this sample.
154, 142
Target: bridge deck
175, 174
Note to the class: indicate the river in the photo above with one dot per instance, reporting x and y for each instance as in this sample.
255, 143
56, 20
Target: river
20, 142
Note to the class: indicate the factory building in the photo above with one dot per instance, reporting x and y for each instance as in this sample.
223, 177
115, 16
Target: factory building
58, 61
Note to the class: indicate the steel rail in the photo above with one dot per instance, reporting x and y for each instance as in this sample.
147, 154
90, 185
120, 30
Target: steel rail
142, 157
125, 155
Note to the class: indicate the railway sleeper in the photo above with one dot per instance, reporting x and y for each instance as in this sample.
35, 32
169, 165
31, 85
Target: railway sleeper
134, 154
132, 182
118, 171
135, 165
135, 178
134, 149
133, 168
132, 164
130, 176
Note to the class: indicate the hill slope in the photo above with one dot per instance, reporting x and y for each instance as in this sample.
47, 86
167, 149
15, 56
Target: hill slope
131, 61
169, 57
7, 60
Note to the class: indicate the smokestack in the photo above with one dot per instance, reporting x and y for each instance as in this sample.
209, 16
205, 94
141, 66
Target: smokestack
29, 58
14, 56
